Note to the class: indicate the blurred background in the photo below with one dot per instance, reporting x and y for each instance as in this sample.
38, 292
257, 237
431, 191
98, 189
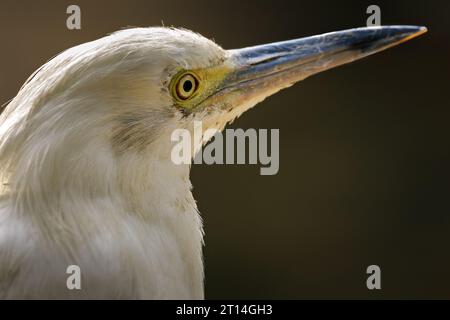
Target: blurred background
364, 149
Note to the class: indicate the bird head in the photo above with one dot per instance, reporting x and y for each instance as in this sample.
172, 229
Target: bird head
124, 94
173, 77
85, 151
230, 82
144, 81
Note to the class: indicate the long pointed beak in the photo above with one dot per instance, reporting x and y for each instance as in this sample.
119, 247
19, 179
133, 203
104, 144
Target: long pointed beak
260, 71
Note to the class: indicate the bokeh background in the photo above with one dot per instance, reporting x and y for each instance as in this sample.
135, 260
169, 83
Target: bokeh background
364, 149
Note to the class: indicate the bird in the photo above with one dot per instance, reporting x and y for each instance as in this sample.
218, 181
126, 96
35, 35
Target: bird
85, 167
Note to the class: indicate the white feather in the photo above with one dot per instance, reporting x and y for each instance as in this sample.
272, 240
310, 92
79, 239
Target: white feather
71, 195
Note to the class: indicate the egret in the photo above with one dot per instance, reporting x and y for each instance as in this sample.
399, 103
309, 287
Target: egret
85, 167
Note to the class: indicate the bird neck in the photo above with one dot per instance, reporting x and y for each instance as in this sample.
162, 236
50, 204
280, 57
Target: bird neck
84, 196
65, 176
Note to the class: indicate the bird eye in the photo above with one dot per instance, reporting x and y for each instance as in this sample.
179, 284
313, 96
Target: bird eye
186, 86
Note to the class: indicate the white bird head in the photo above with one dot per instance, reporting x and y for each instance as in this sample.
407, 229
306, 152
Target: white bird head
86, 141
135, 85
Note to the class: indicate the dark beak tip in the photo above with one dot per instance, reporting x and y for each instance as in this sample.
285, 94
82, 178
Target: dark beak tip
422, 30
406, 31
392, 31
377, 38
415, 30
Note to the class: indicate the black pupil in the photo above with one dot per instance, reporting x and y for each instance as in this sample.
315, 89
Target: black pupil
187, 86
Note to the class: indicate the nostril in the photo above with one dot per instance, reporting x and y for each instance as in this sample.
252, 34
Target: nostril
269, 59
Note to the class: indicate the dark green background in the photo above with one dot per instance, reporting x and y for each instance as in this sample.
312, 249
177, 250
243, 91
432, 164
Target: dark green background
364, 149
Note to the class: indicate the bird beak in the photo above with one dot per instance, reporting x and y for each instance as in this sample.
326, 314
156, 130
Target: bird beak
260, 71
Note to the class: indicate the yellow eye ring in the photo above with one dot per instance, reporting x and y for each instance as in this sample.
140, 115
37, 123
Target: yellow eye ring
186, 86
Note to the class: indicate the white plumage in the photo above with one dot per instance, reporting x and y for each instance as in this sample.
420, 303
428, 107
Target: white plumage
86, 174
77, 191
